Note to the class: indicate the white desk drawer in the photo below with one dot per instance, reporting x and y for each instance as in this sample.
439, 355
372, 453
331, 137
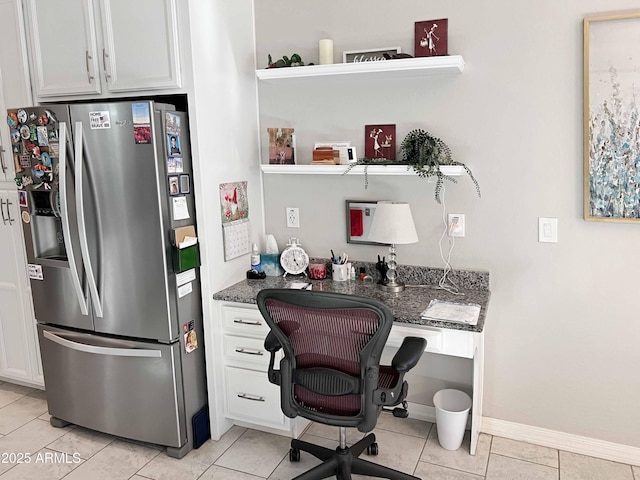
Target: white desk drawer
433, 337
251, 398
244, 321
246, 352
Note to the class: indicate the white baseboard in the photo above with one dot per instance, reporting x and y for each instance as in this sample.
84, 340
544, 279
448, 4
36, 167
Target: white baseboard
563, 441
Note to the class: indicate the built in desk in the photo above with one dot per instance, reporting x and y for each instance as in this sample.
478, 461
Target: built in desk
234, 342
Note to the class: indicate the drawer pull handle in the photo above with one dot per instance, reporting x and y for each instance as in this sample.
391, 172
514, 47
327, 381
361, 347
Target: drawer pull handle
247, 396
249, 352
244, 322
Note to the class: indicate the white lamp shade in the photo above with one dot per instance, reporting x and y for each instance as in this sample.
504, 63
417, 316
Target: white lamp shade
393, 223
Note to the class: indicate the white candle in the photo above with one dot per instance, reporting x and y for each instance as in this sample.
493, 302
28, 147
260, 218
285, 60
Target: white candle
326, 51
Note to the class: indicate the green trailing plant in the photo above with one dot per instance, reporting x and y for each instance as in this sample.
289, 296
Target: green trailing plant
425, 154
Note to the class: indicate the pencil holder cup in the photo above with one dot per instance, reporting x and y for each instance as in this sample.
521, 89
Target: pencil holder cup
317, 271
340, 272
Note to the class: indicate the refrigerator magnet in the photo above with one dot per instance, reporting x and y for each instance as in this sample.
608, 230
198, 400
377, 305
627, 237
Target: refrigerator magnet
43, 138
184, 290
179, 164
22, 196
172, 122
26, 218
25, 132
12, 120
190, 341
35, 271
173, 185
185, 184
173, 141
15, 135
22, 116
171, 165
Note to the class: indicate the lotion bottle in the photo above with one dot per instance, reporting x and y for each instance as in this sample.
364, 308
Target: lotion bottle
255, 258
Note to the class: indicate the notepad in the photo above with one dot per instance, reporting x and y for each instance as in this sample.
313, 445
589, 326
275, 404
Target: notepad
440, 310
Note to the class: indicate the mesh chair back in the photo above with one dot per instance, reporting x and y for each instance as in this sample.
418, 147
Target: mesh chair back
332, 345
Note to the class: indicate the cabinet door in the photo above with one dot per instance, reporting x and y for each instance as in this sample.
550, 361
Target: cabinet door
18, 353
140, 44
63, 47
13, 56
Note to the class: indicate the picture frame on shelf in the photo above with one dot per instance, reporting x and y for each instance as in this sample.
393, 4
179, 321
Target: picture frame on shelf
380, 141
371, 55
431, 38
611, 151
281, 146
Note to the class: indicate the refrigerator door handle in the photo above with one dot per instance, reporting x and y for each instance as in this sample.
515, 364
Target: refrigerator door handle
64, 216
95, 349
82, 228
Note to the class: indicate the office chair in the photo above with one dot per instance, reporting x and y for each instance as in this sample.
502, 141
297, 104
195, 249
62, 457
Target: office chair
331, 373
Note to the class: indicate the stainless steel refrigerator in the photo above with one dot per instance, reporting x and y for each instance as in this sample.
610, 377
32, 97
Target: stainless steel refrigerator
105, 192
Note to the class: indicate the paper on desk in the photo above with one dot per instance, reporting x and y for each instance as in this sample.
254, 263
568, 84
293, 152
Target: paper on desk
300, 285
440, 310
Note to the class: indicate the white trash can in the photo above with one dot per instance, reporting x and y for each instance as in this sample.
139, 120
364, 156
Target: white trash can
452, 411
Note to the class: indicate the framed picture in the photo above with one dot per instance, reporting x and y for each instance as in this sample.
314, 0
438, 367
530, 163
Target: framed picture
431, 38
281, 146
611, 119
174, 189
355, 56
380, 141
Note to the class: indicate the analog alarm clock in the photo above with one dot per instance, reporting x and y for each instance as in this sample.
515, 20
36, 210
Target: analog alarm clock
294, 259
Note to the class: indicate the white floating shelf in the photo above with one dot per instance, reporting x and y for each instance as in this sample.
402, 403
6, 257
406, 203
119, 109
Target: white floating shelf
403, 67
450, 170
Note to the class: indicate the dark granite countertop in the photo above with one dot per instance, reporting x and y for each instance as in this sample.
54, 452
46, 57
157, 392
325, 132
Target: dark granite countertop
406, 305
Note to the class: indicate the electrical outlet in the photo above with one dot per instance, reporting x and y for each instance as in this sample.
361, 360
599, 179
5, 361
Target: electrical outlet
456, 224
293, 217
547, 230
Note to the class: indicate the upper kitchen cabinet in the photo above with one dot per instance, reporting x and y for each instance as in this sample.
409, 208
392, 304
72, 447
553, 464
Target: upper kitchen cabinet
102, 48
15, 89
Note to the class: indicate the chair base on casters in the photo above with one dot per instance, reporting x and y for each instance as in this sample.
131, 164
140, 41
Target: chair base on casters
342, 462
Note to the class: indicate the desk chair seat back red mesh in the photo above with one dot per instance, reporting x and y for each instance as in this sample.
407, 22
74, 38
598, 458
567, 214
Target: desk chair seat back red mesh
331, 373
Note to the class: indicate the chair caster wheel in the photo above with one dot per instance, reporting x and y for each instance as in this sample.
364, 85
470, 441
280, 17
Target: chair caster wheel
372, 449
294, 455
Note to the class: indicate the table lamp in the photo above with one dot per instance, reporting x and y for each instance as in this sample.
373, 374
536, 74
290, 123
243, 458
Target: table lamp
392, 223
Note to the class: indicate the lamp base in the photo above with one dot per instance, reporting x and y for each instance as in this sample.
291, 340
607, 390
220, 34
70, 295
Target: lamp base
392, 287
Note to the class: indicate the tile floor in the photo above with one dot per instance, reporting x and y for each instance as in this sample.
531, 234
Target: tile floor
75, 453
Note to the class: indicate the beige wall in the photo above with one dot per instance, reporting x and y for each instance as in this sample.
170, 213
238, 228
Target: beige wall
562, 337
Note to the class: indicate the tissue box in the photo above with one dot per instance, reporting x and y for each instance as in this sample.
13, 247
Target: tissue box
270, 264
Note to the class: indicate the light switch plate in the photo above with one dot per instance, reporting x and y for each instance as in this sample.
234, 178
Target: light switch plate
547, 230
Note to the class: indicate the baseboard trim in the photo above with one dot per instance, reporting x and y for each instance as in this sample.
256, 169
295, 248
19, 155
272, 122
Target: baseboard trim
563, 441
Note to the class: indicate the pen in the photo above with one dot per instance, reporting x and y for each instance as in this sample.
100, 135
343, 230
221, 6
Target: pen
333, 257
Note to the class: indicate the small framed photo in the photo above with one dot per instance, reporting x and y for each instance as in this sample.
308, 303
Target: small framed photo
185, 184
22, 195
374, 55
380, 141
431, 38
174, 188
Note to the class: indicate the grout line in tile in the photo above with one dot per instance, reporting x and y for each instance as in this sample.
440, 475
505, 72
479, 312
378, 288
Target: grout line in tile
525, 460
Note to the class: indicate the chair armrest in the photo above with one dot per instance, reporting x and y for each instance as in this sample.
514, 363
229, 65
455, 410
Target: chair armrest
408, 354
271, 343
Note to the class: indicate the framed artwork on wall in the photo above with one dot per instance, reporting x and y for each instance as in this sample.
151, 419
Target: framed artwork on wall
380, 141
612, 118
431, 38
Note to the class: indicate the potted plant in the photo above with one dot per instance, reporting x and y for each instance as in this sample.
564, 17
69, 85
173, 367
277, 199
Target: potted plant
423, 153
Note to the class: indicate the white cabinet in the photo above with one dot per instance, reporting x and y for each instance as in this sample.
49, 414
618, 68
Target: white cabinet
14, 79
19, 352
103, 47
249, 398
